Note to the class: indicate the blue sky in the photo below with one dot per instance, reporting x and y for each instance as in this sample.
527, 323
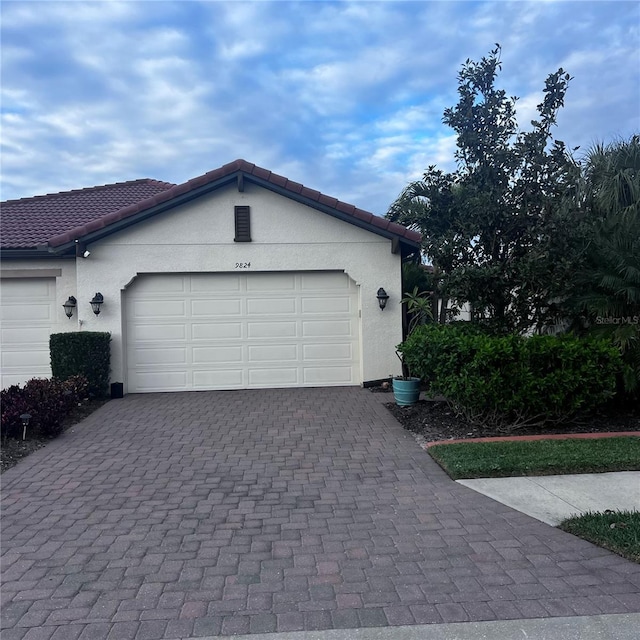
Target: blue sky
346, 97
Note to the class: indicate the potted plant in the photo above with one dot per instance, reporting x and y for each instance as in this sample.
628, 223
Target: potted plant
406, 388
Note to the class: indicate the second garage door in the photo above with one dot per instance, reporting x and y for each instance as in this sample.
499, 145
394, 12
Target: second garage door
28, 318
242, 331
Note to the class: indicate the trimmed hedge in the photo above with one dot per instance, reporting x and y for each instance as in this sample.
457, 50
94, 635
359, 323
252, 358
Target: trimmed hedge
86, 353
511, 381
48, 401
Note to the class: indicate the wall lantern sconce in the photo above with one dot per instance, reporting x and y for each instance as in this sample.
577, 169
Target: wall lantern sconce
382, 298
69, 306
25, 417
96, 303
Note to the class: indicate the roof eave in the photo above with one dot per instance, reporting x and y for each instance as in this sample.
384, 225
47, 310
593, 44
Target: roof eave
332, 211
37, 253
123, 223
240, 177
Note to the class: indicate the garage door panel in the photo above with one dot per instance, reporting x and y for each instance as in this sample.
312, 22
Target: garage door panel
24, 289
164, 284
216, 330
215, 307
328, 375
225, 379
326, 305
250, 330
204, 283
32, 312
150, 381
142, 333
217, 355
279, 377
328, 351
271, 306
148, 309
318, 328
271, 329
161, 355
26, 358
26, 336
273, 353
334, 281
271, 282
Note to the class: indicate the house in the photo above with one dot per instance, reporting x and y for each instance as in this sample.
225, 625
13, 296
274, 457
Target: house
239, 278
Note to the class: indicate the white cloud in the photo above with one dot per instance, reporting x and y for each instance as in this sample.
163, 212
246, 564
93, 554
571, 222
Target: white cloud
241, 31
337, 86
346, 97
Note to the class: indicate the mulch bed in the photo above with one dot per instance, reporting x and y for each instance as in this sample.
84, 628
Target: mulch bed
434, 420
12, 451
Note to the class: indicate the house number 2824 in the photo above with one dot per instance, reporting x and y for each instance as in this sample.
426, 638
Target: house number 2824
243, 265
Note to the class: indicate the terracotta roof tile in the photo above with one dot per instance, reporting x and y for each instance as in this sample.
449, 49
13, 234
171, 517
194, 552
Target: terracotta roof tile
312, 194
296, 187
279, 181
28, 222
363, 215
58, 219
258, 172
328, 201
376, 221
345, 208
200, 181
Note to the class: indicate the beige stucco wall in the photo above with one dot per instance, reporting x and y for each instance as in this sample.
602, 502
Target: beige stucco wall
199, 237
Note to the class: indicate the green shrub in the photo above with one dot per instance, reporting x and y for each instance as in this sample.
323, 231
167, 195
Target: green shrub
85, 353
438, 346
510, 381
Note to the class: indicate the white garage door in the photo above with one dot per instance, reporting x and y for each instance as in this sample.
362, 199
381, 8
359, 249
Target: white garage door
28, 318
242, 331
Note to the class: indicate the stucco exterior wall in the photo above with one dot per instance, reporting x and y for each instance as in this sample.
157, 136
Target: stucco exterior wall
286, 236
198, 237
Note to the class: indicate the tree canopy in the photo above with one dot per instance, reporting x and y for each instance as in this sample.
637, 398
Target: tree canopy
504, 231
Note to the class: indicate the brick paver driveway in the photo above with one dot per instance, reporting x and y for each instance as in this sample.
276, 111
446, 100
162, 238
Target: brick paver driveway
178, 515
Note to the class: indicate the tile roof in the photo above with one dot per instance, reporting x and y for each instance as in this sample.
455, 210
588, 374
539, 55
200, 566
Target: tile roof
29, 222
59, 219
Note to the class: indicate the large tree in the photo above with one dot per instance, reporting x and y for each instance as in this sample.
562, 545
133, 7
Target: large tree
503, 230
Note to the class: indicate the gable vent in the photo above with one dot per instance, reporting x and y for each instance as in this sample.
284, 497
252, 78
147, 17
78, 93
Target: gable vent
243, 224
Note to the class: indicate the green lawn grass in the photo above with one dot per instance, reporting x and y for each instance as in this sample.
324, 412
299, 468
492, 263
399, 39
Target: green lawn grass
618, 531
537, 457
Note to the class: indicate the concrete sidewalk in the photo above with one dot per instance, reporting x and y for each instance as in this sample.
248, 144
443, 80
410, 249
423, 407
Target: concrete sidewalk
553, 499
602, 627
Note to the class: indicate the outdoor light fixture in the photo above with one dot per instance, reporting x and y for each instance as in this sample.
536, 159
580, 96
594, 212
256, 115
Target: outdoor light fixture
81, 250
96, 303
69, 306
382, 298
25, 417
